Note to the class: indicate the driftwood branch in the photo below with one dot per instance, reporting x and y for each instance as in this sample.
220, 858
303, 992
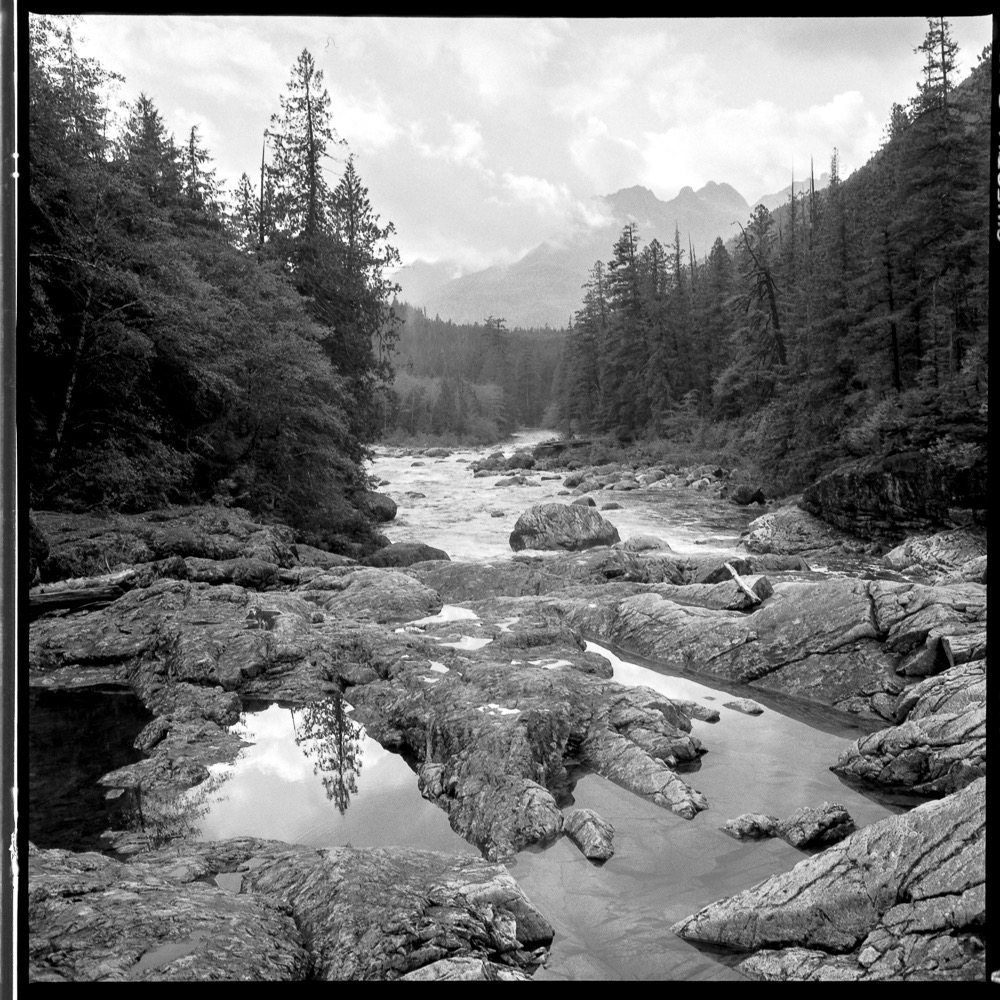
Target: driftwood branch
741, 583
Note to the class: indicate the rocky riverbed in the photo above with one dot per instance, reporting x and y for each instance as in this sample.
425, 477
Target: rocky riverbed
518, 729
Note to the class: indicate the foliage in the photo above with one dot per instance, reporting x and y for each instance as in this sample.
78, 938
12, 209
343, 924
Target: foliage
850, 321
468, 383
184, 358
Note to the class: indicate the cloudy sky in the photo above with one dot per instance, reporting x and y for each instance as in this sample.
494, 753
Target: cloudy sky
479, 138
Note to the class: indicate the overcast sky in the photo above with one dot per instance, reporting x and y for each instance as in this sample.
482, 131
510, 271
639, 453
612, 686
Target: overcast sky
479, 138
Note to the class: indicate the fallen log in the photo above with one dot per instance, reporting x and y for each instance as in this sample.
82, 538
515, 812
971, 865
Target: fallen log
75, 594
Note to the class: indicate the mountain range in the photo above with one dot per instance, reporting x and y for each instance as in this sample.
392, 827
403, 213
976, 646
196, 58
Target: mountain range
544, 287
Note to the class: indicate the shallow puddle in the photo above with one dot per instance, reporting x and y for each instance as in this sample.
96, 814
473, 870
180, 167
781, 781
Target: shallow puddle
313, 776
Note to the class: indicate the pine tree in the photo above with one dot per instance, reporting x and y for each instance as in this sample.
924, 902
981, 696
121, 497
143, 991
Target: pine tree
302, 137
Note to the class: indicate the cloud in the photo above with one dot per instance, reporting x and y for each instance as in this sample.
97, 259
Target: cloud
463, 146
760, 142
368, 126
602, 158
555, 202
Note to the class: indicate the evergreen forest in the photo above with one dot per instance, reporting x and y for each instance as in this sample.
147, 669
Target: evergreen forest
193, 345
246, 347
852, 321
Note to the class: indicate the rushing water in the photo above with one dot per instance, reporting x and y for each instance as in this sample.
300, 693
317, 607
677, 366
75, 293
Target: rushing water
442, 504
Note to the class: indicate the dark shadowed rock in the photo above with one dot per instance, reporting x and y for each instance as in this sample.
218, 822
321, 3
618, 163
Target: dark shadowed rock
404, 554
379, 506
520, 460
83, 545
561, 526
889, 498
585, 502
744, 495
903, 898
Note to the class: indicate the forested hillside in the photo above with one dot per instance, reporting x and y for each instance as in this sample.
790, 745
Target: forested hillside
179, 353
470, 382
852, 321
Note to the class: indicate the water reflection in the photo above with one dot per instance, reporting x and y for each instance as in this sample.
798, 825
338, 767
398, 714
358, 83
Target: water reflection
163, 815
303, 770
325, 732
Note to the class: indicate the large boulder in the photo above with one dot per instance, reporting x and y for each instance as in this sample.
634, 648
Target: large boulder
379, 506
904, 898
561, 526
889, 498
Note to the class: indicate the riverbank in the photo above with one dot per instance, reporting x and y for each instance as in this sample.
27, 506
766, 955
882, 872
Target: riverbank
513, 728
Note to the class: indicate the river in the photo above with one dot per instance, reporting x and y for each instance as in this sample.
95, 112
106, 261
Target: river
613, 922
313, 776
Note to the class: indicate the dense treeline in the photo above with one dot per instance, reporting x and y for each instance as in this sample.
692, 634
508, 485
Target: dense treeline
470, 382
180, 353
850, 322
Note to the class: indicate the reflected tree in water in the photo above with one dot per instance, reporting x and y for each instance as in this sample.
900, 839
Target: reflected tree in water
324, 731
166, 814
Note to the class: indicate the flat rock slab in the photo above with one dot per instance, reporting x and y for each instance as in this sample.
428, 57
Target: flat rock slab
300, 913
93, 919
876, 905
